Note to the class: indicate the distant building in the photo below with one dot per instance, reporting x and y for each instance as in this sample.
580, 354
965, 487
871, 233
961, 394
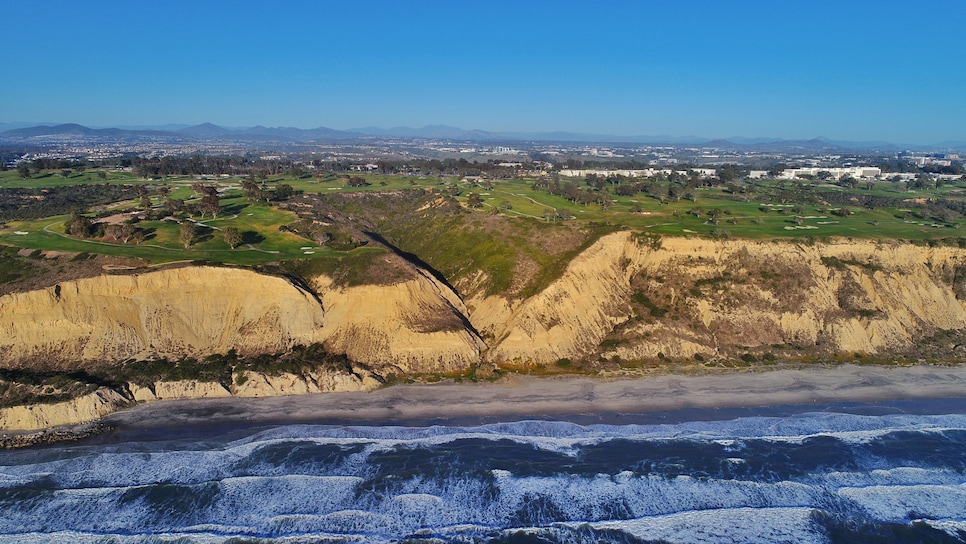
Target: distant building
857, 172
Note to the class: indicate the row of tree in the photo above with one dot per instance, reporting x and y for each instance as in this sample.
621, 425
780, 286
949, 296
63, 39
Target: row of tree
188, 231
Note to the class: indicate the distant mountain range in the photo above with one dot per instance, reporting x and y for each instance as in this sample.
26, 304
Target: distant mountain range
208, 131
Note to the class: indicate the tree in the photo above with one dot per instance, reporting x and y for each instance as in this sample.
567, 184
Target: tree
123, 231
249, 184
23, 170
173, 205
187, 234
78, 225
210, 204
129, 232
284, 191
474, 200
232, 236
204, 189
113, 230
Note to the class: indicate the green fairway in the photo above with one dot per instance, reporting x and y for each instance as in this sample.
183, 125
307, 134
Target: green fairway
11, 180
261, 239
765, 211
757, 218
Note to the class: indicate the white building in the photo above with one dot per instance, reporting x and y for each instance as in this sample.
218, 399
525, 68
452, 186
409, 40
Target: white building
857, 172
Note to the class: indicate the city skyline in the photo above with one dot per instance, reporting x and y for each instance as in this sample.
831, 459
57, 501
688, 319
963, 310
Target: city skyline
859, 72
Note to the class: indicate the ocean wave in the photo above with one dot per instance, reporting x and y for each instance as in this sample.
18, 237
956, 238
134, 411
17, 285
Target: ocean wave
795, 478
564, 436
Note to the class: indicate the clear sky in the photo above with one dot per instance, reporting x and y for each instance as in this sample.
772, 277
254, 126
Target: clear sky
843, 69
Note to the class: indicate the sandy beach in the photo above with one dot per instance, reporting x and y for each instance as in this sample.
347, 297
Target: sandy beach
519, 397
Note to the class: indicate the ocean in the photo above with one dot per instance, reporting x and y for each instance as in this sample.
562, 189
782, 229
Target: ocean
888, 472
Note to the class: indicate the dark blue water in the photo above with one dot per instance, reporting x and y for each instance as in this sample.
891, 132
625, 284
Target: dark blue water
866, 476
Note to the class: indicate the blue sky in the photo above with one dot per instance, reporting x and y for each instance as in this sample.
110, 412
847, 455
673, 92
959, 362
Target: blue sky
850, 70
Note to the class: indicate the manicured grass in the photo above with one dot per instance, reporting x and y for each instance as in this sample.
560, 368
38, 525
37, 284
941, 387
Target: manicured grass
756, 216
744, 219
262, 241
49, 178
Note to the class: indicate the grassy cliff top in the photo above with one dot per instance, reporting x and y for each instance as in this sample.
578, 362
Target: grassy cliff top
518, 232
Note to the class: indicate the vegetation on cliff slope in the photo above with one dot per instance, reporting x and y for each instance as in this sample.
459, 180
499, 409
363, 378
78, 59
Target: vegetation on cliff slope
509, 238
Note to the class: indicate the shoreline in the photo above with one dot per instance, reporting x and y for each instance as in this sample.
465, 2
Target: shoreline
524, 397
665, 398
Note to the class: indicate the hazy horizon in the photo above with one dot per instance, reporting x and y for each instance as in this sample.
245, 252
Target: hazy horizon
849, 72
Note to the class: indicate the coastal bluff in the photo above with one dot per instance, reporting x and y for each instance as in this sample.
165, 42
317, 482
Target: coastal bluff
199, 311
623, 296
627, 297
678, 297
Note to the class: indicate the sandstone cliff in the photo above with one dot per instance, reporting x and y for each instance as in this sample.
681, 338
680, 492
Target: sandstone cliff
624, 298
247, 384
79, 410
415, 326
696, 296
418, 325
171, 313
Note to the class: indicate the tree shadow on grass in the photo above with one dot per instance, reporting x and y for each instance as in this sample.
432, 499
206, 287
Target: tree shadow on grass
252, 237
203, 234
233, 209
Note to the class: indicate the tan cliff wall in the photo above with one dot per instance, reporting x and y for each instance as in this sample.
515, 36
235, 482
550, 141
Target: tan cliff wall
105, 401
191, 311
412, 326
621, 297
719, 297
79, 410
571, 316
700, 296
418, 325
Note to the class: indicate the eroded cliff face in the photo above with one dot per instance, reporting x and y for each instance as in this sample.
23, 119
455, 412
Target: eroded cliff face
413, 326
79, 410
418, 325
180, 312
694, 296
627, 296
246, 383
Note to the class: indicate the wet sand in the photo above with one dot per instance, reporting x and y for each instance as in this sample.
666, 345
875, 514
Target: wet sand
576, 399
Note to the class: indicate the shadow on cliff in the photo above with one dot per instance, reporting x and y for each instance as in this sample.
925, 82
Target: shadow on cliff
423, 265
413, 260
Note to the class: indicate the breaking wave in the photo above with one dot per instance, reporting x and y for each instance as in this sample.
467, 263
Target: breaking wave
815, 477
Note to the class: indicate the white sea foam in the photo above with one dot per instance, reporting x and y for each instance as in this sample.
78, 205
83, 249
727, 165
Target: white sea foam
739, 525
901, 503
563, 437
954, 528
352, 496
